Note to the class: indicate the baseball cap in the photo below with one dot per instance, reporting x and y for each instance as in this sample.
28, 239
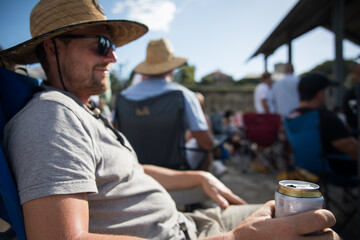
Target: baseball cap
311, 83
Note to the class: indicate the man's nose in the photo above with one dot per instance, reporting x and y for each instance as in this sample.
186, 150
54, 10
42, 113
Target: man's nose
111, 56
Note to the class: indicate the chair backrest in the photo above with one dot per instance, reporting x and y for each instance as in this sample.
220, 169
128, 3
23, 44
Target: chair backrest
15, 91
155, 128
303, 133
262, 129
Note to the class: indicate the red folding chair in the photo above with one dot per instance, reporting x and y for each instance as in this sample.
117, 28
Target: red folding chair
261, 137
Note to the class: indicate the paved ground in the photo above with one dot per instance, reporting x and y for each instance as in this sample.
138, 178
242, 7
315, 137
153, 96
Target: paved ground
252, 186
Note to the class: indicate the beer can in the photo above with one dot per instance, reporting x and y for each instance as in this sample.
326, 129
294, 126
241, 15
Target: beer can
294, 197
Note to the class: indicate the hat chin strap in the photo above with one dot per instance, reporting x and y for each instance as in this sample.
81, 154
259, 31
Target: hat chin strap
58, 66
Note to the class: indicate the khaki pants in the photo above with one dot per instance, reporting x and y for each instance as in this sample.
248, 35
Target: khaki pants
213, 221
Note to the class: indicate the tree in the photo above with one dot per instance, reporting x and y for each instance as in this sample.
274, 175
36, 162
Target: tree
328, 66
248, 81
115, 82
185, 75
207, 80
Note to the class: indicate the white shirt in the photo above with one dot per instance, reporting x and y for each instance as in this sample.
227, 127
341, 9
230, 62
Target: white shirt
263, 91
286, 95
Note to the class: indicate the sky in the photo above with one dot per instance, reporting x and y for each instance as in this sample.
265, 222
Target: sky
213, 35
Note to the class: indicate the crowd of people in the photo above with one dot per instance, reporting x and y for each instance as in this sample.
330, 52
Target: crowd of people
79, 178
282, 96
293, 96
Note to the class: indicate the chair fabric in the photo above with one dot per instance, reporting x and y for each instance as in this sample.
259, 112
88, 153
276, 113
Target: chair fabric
303, 133
15, 91
263, 129
155, 128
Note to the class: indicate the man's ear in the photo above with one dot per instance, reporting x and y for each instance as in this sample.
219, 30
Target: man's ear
320, 96
49, 48
320, 93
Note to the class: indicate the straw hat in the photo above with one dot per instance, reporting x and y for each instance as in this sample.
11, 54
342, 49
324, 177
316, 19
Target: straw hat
50, 18
159, 58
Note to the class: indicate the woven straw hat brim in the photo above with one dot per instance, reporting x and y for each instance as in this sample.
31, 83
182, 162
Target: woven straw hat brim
159, 68
122, 32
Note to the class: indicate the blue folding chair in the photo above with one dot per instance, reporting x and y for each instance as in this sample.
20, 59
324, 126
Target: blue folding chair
15, 91
303, 133
304, 136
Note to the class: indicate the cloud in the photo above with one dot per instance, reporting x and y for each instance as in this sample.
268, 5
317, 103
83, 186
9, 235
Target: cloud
156, 14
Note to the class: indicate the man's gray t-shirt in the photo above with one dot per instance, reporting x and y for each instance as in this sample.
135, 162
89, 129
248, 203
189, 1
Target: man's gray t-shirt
56, 147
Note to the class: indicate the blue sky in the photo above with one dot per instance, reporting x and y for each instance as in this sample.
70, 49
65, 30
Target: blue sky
214, 35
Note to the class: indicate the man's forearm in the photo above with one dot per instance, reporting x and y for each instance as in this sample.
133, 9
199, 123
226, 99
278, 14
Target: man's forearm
173, 179
348, 146
204, 139
92, 236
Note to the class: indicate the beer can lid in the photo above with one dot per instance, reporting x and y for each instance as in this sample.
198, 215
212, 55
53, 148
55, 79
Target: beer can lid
299, 189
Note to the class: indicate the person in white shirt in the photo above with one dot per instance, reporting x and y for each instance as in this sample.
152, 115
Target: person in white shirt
263, 95
285, 92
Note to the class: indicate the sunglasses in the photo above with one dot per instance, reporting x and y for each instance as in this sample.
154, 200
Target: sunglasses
104, 43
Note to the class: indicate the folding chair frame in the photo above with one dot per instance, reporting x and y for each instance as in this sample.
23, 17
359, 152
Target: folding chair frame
263, 130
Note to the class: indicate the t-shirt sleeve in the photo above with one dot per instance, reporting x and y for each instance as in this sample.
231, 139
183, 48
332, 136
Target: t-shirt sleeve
194, 115
332, 127
50, 152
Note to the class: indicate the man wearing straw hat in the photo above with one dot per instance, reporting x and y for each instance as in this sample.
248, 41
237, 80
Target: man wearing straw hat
78, 178
158, 71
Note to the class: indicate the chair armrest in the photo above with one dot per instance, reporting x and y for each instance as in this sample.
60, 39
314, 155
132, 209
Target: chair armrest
189, 196
220, 139
339, 157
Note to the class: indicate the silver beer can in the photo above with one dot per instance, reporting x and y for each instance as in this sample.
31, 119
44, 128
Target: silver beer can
294, 197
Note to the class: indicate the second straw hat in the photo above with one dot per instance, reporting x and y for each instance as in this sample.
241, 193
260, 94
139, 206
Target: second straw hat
159, 58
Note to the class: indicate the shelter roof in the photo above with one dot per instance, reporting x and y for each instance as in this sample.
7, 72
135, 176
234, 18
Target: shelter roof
307, 15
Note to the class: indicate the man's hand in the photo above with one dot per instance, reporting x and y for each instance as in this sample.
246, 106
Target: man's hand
261, 225
218, 192
177, 180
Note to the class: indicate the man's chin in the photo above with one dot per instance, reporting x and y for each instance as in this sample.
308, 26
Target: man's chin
99, 90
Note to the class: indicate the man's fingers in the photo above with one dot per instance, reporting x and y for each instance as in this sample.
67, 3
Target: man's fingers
267, 210
313, 221
234, 199
330, 234
225, 198
221, 201
327, 235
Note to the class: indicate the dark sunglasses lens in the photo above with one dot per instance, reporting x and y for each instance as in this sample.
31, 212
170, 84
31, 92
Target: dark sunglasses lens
104, 46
